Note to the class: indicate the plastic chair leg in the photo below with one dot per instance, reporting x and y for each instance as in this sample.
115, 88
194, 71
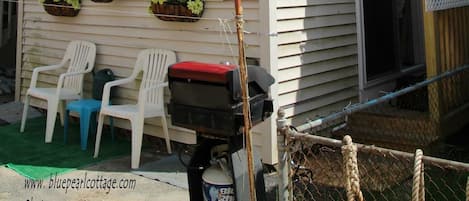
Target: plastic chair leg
25, 112
85, 117
166, 134
98, 135
67, 113
137, 135
93, 123
51, 117
61, 110
111, 124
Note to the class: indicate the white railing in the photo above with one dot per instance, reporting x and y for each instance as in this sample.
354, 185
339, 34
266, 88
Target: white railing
434, 5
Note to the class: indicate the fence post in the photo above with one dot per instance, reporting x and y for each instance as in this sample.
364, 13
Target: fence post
418, 188
284, 189
467, 189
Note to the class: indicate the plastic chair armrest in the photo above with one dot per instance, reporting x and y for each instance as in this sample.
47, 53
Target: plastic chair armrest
37, 70
107, 89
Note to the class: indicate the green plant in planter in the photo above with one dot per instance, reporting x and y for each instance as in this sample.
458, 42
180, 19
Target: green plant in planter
195, 6
75, 3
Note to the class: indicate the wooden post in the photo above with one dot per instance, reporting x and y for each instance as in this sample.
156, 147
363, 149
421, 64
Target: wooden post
245, 96
19, 50
432, 55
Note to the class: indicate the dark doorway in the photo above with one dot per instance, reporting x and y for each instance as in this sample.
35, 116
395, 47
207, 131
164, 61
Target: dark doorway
393, 36
8, 32
379, 38
9, 16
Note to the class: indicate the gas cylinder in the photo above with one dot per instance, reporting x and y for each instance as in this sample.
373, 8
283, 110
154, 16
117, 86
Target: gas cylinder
217, 183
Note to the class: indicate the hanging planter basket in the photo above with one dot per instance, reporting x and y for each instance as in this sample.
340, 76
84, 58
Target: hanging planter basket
102, 1
60, 8
175, 12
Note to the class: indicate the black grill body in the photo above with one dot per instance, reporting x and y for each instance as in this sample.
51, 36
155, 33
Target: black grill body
209, 101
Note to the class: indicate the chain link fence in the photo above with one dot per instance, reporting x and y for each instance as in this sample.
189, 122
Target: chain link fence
317, 173
387, 131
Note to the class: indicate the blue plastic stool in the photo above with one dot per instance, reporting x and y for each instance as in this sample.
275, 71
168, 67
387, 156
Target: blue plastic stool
87, 108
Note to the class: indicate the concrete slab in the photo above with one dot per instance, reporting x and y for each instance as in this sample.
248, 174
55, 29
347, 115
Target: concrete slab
169, 170
12, 112
92, 185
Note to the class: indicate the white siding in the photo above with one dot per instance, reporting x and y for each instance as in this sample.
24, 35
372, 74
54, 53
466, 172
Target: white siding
317, 57
120, 30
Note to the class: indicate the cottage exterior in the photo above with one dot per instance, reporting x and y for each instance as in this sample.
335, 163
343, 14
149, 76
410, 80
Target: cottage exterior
122, 28
308, 46
314, 49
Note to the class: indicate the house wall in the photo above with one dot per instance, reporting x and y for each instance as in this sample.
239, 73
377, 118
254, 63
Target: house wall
317, 57
120, 30
446, 46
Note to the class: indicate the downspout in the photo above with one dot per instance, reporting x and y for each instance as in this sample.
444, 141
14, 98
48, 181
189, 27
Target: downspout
268, 60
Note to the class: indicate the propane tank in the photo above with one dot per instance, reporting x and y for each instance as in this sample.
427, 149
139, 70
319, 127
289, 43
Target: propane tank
217, 184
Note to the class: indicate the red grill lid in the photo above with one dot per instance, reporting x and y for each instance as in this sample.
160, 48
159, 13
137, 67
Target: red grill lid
201, 71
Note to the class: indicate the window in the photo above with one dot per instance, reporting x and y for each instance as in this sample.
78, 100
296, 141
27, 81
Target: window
391, 41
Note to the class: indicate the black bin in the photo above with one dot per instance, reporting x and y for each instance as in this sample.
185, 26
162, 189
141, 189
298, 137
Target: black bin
99, 80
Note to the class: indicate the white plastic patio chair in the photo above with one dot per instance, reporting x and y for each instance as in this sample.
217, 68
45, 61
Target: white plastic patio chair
154, 63
80, 57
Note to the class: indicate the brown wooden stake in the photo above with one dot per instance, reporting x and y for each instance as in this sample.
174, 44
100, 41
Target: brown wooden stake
245, 96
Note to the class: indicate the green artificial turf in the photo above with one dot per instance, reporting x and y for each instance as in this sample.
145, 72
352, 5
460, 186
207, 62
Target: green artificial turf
27, 153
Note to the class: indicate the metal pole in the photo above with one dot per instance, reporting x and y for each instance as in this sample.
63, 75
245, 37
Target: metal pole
467, 189
283, 164
245, 96
379, 100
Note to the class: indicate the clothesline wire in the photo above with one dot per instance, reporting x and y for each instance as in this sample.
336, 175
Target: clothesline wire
224, 32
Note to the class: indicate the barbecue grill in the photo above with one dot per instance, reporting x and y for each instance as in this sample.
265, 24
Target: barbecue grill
207, 98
